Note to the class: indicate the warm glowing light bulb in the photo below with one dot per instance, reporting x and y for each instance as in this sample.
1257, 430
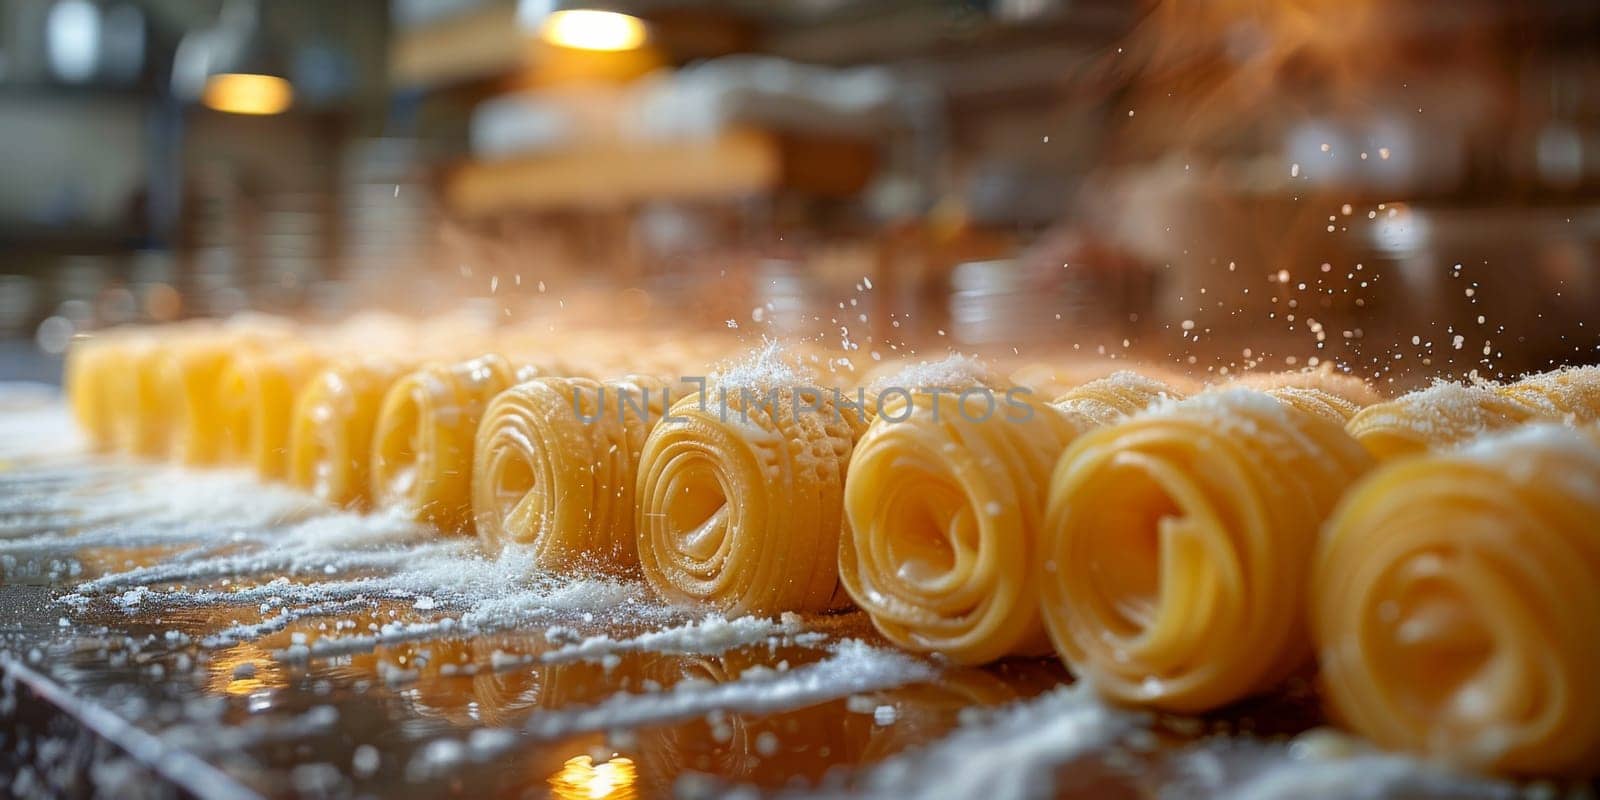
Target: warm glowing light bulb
243, 93
592, 29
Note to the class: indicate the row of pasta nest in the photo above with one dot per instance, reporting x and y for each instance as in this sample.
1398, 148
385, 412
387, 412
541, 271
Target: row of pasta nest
1435, 555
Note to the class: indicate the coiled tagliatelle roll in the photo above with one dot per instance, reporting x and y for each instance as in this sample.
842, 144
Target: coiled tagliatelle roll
945, 497
422, 446
1571, 394
193, 373
1118, 395
1331, 407
141, 421
1439, 416
255, 399
192, 370
1178, 546
171, 376
1456, 604
1053, 378
740, 498
335, 417
1346, 387
90, 375
555, 468
1450, 413
945, 500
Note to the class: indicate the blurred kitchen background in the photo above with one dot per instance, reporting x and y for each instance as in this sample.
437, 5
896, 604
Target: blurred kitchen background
1404, 188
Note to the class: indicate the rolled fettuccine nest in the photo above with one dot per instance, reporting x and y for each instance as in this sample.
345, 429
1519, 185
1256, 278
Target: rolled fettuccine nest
556, 467
1178, 547
946, 498
1456, 604
740, 493
1447, 414
335, 418
427, 426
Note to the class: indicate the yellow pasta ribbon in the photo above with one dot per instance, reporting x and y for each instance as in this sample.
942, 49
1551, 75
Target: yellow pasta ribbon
1178, 545
942, 487
945, 498
142, 425
335, 418
1332, 407
1571, 394
1450, 413
255, 401
170, 381
1349, 388
1456, 604
555, 468
90, 376
1439, 416
193, 373
740, 498
1118, 395
422, 446
1054, 378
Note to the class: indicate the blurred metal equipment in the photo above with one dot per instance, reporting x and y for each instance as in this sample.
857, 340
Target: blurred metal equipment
387, 214
233, 67
1000, 302
73, 40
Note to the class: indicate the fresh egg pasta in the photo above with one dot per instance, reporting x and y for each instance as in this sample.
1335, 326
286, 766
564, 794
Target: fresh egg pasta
740, 495
90, 374
143, 423
555, 468
1051, 379
1349, 388
1178, 545
1439, 416
422, 446
1311, 400
1571, 394
946, 497
193, 372
255, 399
1118, 395
335, 419
1456, 604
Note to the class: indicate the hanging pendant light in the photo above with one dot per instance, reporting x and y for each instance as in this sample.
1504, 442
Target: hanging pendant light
595, 25
233, 67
